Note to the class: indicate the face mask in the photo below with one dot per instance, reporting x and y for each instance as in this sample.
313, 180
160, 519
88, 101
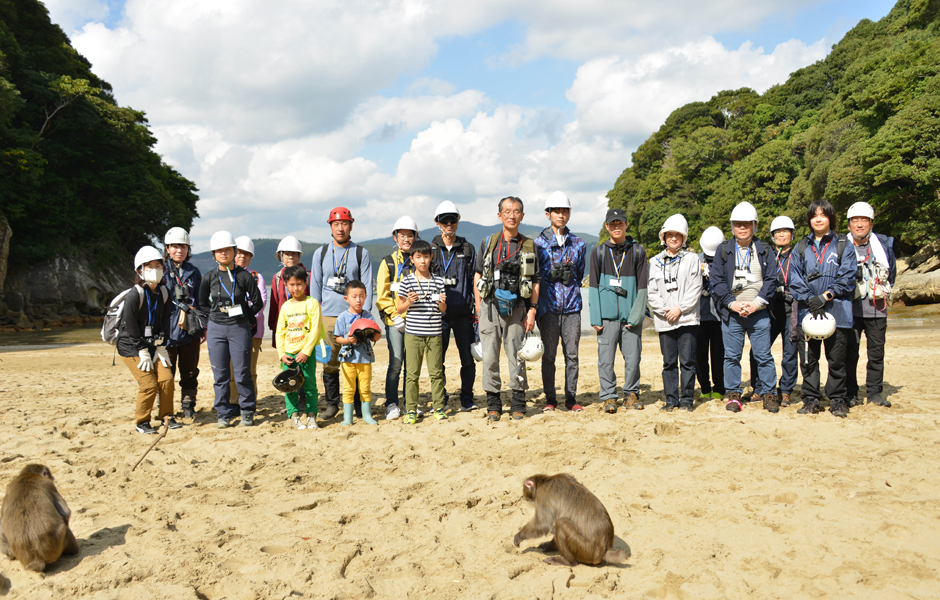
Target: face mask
153, 275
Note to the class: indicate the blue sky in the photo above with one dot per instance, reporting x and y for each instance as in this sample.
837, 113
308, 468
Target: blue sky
281, 108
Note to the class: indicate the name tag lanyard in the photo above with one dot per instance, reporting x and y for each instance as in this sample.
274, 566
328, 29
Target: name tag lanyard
342, 261
453, 253
669, 275
614, 262
402, 267
499, 250
232, 279
785, 272
151, 314
565, 259
744, 262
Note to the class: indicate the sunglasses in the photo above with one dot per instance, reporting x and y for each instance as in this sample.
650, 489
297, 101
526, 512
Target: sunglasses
448, 220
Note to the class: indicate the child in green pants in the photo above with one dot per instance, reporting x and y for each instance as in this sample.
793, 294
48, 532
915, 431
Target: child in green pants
298, 330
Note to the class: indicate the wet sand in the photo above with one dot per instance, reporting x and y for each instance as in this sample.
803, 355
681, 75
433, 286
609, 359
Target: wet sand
710, 504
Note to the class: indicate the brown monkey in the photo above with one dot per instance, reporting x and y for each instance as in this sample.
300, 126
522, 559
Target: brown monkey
584, 532
34, 521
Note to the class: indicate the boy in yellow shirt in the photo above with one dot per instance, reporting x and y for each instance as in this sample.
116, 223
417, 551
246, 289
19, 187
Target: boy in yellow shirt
298, 329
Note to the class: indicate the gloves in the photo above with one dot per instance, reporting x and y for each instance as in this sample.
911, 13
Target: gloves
146, 363
399, 323
817, 305
163, 356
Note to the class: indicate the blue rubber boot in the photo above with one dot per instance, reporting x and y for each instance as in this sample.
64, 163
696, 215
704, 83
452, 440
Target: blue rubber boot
348, 413
367, 413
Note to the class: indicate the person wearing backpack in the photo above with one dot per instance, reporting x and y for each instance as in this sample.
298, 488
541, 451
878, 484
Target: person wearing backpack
453, 259
334, 265
244, 252
391, 271
617, 294
823, 271
743, 282
142, 337
877, 269
506, 293
182, 280
231, 299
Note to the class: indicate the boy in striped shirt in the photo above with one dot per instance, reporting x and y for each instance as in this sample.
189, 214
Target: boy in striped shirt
422, 296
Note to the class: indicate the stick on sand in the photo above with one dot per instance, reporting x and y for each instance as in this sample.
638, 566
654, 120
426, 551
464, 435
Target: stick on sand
166, 427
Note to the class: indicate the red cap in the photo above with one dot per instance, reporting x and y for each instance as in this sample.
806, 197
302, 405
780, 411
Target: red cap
340, 213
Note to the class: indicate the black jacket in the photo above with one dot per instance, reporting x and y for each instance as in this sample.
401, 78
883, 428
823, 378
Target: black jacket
135, 318
215, 294
722, 275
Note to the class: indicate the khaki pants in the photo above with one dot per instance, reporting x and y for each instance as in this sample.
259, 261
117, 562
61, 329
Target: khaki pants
255, 351
507, 332
352, 372
149, 384
333, 366
416, 347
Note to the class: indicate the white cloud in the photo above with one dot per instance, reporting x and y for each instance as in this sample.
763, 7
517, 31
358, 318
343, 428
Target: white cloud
72, 14
633, 96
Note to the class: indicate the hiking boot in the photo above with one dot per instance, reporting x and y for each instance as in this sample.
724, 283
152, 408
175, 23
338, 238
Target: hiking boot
392, 412
144, 427
223, 424
411, 417
173, 424
312, 422
877, 400
668, 407
770, 403
784, 399
838, 408
493, 415
330, 411
852, 402
610, 406
734, 402
748, 396
189, 413
248, 418
810, 406
631, 400
687, 407
295, 420
518, 416
440, 415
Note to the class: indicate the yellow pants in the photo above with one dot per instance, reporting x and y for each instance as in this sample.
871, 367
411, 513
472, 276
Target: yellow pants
350, 372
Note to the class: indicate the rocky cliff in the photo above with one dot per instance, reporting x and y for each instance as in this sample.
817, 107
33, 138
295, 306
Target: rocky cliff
918, 280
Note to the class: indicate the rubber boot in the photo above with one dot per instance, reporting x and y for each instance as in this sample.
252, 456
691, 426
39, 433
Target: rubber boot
367, 414
331, 393
347, 414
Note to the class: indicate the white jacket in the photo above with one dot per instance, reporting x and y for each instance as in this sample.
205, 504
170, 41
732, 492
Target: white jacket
684, 271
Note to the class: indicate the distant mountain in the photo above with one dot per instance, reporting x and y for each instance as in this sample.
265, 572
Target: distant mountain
265, 262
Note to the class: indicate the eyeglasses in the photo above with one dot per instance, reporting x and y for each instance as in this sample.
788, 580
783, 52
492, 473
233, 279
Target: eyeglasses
448, 221
514, 212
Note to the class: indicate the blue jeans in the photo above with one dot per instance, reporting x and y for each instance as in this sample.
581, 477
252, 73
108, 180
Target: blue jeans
396, 360
789, 361
757, 328
678, 348
462, 326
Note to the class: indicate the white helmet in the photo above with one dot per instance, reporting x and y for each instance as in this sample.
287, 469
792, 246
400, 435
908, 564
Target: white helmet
176, 235
221, 239
290, 244
446, 208
815, 328
145, 255
557, 200
675, 223
532, 349
476, 350
861, 209
781, 222
710, 240
744, 212
405, 223
245, 244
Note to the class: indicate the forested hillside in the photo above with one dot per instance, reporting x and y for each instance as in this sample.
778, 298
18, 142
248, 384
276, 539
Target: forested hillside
77, 171
861, 124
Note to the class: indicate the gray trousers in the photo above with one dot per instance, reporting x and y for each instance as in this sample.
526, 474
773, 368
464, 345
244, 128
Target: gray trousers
231, 345
496, 330
567, 327
612, 335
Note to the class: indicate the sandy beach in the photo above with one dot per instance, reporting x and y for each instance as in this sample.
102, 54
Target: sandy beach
710, 504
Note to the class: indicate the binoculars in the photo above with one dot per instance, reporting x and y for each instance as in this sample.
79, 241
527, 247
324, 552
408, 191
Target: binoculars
560, 273
180, 293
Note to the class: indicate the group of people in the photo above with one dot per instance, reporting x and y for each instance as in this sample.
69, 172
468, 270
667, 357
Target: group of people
824, 291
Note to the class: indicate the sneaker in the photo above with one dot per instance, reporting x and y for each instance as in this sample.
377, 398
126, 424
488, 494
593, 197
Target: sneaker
877, 400
770, 403
440, 415
838, 409
632, 400
784, 400
295, 420
493, 415
248, 418
189, 413
223, 424
549, 407
173, 424
312, 422
734, 402
145, 427
714, 395
518, 416
469, 407
411, 417
668, 407
852, 402
610, 406
810, 407
418, 411
392, 412
687, 407
574, 407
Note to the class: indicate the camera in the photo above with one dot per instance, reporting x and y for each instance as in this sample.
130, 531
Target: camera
738, 287
813, 276
339, 284
450, 281
620, 292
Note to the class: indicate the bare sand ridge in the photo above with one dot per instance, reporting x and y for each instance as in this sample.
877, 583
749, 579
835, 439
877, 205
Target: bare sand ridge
710, 504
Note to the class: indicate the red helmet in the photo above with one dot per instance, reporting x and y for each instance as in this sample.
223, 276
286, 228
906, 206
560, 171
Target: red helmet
340, 213
364, 329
